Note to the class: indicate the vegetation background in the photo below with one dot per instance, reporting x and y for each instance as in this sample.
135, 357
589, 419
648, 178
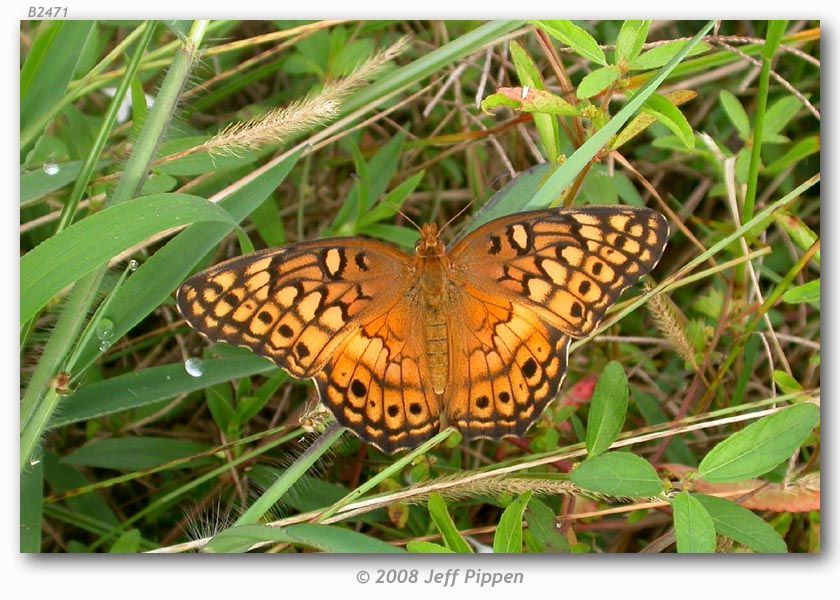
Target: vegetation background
151, 150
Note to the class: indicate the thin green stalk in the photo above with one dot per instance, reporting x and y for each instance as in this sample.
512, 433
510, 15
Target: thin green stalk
137, 167
774, 37
68, 212
40, 400
290, 476
392, 469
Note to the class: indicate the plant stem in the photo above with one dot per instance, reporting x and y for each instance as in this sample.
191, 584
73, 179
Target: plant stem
290, 476
392, 469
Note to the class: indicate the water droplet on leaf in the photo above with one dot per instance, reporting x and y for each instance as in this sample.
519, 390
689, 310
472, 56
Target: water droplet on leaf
51, 168
194, 366
105, 330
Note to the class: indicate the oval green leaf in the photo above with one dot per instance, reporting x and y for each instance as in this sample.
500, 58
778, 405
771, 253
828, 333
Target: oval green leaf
695, 530
669, 115
451, 536
608, 409
741, 525
807, 292
508, 539
597, 81
660, 55
577, 38
619, 474
761, 446
631, 39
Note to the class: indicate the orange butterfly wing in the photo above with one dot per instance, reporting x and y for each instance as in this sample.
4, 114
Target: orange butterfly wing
334, 310
529, 282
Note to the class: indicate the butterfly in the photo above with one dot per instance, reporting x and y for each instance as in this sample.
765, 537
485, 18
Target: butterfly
400, 346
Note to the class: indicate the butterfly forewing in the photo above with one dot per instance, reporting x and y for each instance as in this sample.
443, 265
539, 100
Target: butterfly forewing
297, 303
530, 282
567, 265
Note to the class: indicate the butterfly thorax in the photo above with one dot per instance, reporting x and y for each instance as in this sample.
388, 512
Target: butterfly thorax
434, 298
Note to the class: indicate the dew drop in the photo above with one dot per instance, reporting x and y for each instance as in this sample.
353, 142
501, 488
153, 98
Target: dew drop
194, 366
51, 168
132, 265
103, 345
105, 330
34, 459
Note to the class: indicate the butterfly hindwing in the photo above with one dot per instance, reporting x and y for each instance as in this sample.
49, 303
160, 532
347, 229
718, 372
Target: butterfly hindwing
377, 382
568, 265
508, 366
296, 303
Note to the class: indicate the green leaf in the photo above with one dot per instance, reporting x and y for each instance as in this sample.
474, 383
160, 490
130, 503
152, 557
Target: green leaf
619, 474
513, 197
86, 245
535, 101
736, 113
800, 150
669, 115
443, 521
48, 69
127, 543
546, 125
631, 39
741, 525
788, 384
597, 81
36, 184
542, 529
396, 234
31, 507
133, 453
392, 202
420, 547
759, 447
577, 38
779, 114
608, 409
147, 386
807, 292
327, 538
660, 55
508, 539
695, 530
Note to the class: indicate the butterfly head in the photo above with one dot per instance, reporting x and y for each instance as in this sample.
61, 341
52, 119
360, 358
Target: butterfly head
429, 243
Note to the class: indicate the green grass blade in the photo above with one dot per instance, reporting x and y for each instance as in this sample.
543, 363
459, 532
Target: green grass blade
83, 247
47, 71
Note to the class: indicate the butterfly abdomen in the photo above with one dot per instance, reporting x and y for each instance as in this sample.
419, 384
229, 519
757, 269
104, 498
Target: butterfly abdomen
434, 298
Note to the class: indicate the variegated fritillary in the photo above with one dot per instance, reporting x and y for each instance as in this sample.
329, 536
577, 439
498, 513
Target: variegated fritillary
402, 345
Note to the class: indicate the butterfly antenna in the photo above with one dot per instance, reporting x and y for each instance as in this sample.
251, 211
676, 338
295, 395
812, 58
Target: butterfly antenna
401, 213
458, 214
